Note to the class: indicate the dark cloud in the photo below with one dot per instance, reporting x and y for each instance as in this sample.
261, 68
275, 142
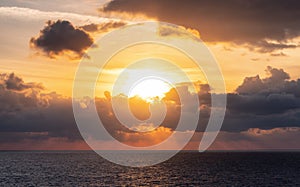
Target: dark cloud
41, 121
111, 25
286, 138
279, 54
17, 95
251, 23
271, 102
61, 36
204, 89
103, 27
90, 27
263, 104
12, 82
25, 112
6, 137
277, 82
266, 47
171, 30
260, 139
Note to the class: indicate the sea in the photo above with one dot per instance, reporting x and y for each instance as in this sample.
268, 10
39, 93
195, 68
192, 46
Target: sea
86, 168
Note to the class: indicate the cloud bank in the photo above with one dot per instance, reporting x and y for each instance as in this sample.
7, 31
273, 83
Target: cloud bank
262, 114
264, 26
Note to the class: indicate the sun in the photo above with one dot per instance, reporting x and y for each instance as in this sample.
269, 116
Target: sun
150, 88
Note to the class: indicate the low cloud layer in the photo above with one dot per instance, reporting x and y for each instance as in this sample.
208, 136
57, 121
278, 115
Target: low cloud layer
264, 103
28, 114
253, 139
263, 26
262, 109
61, 36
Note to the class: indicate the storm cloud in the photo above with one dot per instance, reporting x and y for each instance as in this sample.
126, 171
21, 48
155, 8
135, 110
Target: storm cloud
264, 26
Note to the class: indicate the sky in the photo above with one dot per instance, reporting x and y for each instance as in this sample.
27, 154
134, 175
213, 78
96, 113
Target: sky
256, 44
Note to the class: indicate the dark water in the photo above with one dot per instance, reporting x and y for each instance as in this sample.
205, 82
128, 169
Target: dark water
185, 169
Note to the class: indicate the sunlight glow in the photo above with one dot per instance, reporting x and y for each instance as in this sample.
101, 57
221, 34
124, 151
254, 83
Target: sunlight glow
150, 88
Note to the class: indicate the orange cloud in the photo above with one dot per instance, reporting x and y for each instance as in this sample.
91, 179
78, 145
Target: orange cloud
139, 108
143, 139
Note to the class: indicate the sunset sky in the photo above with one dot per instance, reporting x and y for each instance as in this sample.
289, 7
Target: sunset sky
256, 44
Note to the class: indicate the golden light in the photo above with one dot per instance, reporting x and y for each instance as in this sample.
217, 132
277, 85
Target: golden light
150, 88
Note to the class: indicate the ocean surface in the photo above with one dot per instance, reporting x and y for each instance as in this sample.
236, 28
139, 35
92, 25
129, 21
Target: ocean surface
86, 168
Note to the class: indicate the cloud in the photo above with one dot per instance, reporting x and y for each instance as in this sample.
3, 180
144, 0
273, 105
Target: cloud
27, 113
103, 27
266, 47
171, 30
285, 138
261, 132
32, 118
254, 138
90, 27
139, 139
279, 54
111, 25
12, 82
17, 95
61, 36
271, 102
86, 7
250, 23
140, 109
24, 141
264, 103
276, 83
32, 15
